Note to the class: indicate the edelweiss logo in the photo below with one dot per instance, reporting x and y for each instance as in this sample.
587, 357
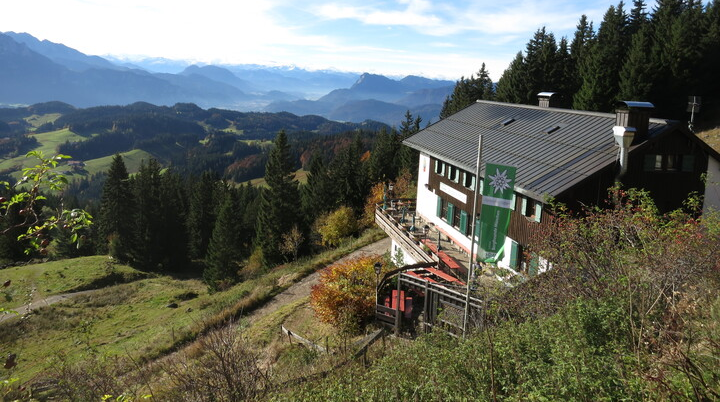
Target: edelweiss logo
500, 182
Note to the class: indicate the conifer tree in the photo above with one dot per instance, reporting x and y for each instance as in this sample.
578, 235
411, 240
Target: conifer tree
278, 202
349, 174
146, 248
409, 157
224, 249
383, 163
117, 211
318, 194
510, 87
202, 213
466, 92
173, 239
600, 69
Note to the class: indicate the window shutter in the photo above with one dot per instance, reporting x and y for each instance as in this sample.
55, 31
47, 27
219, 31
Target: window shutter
533, 266
439, 206
523, 207
463, 222
513, 254
450, 213
688, 163
513, 202
538, 211
649, 163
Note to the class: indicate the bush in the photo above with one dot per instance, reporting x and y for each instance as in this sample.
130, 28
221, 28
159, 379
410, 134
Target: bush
336, 226
345, 296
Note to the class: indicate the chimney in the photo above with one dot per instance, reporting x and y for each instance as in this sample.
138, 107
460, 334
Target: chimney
623, 137
549, 99
636, 115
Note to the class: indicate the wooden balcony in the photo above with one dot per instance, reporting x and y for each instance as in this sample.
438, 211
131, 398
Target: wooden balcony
389, 220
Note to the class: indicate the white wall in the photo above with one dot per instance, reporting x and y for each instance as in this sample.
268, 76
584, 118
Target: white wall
712, 186
407, 258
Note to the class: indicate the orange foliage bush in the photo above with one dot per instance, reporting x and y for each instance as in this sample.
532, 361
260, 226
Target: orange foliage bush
346, 293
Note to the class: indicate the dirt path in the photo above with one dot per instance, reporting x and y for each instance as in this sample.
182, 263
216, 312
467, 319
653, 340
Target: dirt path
22, 310
302, 288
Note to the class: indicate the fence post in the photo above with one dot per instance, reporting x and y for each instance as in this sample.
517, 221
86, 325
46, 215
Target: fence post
397, 309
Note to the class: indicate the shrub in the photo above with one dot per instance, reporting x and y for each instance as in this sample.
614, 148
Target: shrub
345, 296
336, 226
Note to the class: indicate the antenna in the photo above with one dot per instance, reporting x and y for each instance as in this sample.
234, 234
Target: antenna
694, 103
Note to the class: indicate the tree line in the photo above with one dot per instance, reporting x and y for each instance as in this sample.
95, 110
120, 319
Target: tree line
161, 220
661, 56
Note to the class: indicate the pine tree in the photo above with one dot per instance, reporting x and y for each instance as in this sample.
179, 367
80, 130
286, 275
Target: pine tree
173, 239
600, 70
146, 250
510, 87
278, 203
117, 212
409, 157
223, 256
580, 46
383, 163
349, 174
318, 193
637, 76
466, 92
201, 213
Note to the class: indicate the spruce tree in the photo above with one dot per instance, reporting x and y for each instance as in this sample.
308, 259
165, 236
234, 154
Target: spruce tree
600, 70
278, 210
318, 194
409, 157
117, 212
349, 174
466, 92
223, 256
173, 239
511, 86
201, 213
146, 250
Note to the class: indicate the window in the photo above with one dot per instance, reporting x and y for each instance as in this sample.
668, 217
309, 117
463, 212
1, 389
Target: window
688, 163
439, 167
669, 163
532, 209
449, 213
453, 173
456, 218
469, 181
672, 162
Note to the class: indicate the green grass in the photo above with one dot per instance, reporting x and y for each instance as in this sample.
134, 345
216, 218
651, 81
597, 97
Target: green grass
300, 176
38, 120
132, 161
32, 283
712, 138
133, 318
48, 144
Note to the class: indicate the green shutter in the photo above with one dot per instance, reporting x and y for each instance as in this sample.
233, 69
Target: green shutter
649, 163
513, 254
450, 213
533, 265
513, 202
439, 207
538, 211
463, 222
523, 207
688, 163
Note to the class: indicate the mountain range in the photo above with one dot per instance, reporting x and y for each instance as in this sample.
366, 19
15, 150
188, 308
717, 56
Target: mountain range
34, 71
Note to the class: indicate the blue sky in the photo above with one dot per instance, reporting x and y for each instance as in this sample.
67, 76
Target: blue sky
441, 39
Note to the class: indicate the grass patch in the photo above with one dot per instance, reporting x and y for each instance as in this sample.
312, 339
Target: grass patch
132, 160
48, 145
300, 176
134, 318
37, 120
32, 283
711, 137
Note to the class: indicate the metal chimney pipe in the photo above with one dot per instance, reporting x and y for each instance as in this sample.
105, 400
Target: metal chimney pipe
623, 137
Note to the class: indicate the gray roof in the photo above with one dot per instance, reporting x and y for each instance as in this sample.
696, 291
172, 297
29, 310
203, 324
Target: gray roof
547, 164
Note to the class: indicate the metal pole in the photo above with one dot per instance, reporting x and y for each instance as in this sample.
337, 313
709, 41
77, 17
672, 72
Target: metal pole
472, 234
397, 310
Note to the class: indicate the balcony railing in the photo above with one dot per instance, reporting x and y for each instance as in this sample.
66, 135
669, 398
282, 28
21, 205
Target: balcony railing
391, 221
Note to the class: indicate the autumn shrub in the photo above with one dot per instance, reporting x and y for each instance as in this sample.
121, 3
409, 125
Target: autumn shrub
336, 226
345, 295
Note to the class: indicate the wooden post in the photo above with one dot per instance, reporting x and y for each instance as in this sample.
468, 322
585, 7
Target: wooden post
397, 310
426, 316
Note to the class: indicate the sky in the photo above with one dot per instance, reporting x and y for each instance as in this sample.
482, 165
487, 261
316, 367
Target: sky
432, 38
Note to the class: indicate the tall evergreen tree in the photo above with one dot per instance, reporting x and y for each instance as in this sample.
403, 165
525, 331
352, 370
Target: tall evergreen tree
318, 193
637, 76
383, 163
172, 234
510, 87
409, 157
466, 92
278, 204
600, 70
224, 249
204, 200
146, 250
349, 174
117, 211
580, 46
